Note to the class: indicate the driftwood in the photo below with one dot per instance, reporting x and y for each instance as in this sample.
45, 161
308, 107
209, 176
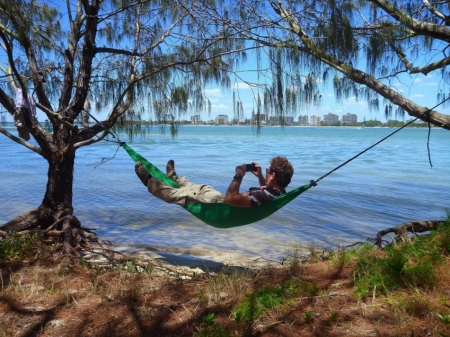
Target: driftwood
402, 230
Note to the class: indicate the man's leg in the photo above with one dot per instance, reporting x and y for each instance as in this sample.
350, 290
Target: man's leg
172, 174
168, 193
142, 173
160, 190
202, 193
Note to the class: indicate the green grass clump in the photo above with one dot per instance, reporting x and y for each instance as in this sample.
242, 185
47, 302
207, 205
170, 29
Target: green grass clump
18, 246
210, 328
403, 264
258, 302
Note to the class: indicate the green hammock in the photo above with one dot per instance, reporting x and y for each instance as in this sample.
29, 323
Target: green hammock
221, 215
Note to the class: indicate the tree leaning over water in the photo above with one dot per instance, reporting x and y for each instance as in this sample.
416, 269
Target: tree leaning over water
364, 49
127, 57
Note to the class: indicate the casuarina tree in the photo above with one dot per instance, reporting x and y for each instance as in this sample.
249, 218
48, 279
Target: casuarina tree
69, 58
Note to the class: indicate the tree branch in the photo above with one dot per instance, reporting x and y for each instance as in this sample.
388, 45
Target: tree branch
436, 12
422, 27
21, 141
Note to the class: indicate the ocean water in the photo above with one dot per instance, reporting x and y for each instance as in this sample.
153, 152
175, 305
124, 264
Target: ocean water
386, 186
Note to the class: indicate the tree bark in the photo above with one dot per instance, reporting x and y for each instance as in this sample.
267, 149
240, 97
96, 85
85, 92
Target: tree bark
59, 191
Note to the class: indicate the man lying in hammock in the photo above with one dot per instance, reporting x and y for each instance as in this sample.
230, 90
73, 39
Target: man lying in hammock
278, 176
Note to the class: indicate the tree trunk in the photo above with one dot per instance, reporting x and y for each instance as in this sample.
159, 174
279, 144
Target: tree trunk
57, 200
54, 217
58, 195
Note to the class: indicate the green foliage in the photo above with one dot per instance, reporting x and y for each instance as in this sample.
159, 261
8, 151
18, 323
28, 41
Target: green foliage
309, 315
251, 308
333, 316
444, 318
414, 304
210, 328
403, 264
258, 302
342, 257
442, 239
18, 246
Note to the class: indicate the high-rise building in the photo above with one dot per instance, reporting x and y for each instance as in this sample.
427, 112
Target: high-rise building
330, 119
303, 120
314, 120
222, 119
349, 118
287, 120
196, 119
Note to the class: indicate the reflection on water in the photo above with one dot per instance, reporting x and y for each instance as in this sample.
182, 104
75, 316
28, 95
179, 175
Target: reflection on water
386, 186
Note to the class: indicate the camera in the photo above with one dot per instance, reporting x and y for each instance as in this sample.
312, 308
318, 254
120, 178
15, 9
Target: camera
250, 167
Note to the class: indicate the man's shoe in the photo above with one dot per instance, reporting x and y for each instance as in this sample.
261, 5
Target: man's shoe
142, 173
170, 168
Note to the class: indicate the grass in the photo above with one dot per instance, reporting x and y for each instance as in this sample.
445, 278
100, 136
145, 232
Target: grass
16, 246
401, 290
406, 264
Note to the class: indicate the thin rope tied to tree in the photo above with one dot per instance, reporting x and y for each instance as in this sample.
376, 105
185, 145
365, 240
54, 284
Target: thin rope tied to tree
427, 112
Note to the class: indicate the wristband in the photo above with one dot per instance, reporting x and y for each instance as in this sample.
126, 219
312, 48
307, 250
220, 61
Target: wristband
237, 176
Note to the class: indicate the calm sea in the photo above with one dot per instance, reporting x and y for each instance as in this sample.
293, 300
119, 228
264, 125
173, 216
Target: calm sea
388, 185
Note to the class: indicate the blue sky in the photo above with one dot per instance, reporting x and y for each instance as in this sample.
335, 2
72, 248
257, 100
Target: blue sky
420, 89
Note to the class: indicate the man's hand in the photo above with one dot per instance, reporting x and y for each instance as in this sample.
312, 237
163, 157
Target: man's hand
258, 173
258, 170
233, 197
241, 169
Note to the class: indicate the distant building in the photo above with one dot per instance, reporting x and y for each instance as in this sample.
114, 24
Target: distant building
262, 118
286, 120
196, 119
330, 119
314, 120
303, 120
349, 118
222, 119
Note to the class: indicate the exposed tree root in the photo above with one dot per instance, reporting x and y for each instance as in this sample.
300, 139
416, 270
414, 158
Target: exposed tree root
37, 217
402, 230
73, 238
67, 230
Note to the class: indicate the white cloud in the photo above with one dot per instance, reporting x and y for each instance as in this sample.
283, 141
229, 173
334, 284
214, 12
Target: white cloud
213, 93
241, 85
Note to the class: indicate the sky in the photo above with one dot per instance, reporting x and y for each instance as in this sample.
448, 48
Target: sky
420, 89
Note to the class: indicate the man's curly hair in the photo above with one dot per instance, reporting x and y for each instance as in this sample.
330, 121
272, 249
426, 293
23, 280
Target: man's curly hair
283, 170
